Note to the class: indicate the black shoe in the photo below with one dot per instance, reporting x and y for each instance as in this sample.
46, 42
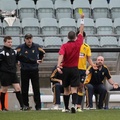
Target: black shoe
4, 109
26, 108
73, 110
38, 109
100, 107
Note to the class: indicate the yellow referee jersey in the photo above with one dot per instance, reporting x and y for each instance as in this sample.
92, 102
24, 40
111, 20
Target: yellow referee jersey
84, 52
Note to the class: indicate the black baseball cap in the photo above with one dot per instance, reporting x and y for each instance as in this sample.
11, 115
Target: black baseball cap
27, 36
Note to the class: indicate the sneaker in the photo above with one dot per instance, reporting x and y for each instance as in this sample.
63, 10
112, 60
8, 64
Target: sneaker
56, 107
25, 108
38, 109
79, 110
73, 110
90, 108
65, 110
4, 109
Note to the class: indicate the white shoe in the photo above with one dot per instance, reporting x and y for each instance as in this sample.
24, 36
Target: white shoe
56, 107
65, 110
89, 108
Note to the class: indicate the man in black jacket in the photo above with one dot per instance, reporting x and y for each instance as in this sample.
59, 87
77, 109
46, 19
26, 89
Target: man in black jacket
30, 71
8, 76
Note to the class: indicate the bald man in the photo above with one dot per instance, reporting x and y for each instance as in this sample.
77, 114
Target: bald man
94, 82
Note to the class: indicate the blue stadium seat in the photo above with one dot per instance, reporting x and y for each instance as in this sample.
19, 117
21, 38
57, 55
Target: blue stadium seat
49, 26
1, 28
1, 42
13, 29
104, 26
63, 9
45, 9
100, 9
38, 40
16, 41
66, 25
108, 41
117, 25
115, 8
26, 10
65, 40
31, 25
52, 42
93, 42
84, 4
119, 42
89, 26
8, 7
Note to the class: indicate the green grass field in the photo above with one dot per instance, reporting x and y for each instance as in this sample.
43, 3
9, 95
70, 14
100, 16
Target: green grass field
58, 115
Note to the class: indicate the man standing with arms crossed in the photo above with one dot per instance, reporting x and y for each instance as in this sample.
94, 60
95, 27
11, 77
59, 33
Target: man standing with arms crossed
68, 55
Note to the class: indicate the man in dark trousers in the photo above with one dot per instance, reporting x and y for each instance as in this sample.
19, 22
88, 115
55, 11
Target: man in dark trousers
57, 87
30, 71
94, 82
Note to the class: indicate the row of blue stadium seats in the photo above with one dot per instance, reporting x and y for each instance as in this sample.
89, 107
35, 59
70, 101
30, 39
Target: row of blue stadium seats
61, 8
50, 26
56, 42
35, 1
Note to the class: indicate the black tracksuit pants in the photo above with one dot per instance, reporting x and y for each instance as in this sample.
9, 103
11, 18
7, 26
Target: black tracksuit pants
26, 76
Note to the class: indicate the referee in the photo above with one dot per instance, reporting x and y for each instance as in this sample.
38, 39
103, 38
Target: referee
68, 55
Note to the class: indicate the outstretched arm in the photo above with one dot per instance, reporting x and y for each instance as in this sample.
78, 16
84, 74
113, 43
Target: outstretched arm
81, 29
115, 85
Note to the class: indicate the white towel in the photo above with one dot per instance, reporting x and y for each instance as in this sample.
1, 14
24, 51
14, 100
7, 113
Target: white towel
10, 20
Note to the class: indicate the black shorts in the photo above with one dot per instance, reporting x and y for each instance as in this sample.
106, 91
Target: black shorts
82, 74
8, 79
71, 77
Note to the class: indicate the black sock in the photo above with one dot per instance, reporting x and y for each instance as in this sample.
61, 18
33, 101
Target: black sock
0, 97
66, 101
74, 98
3, 100
79, 101
19, 97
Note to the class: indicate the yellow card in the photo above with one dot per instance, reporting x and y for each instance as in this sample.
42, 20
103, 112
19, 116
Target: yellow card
80, 11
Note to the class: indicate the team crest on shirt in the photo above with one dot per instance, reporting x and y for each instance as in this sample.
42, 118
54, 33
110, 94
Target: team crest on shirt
7, 54
26, 52
13, 53
102, 73
84, 48
33, 51
95, 71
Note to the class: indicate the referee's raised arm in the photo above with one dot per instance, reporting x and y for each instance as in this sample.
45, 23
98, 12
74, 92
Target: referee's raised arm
81, 29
